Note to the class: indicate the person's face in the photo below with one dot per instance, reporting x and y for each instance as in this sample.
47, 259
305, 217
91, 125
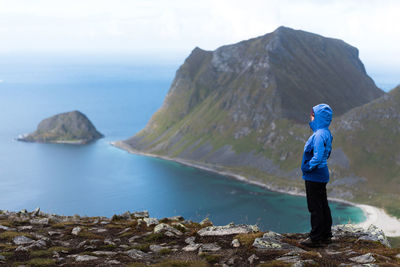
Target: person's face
312, 117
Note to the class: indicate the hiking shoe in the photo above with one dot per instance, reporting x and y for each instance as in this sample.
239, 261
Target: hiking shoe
326, 241
308, 242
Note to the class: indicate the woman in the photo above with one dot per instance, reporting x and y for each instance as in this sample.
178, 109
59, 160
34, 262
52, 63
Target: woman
316, 175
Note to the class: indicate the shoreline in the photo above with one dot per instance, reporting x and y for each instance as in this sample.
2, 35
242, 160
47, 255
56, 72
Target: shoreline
374, 215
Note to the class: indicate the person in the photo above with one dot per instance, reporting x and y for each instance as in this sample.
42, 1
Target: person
316, 175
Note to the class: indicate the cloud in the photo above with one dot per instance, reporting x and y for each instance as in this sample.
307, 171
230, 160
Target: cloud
177, 26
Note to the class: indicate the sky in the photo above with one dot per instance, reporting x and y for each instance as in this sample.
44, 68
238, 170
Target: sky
170, 29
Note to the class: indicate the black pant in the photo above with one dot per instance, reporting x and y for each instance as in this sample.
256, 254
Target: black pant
317, 202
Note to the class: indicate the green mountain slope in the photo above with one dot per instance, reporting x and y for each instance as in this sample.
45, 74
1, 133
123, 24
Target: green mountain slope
243, 109
369, 136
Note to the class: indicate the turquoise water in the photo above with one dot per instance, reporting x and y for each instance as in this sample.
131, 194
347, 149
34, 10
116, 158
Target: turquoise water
119, 96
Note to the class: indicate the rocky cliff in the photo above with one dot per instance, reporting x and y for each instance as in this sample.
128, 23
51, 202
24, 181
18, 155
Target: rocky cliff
134, 239
70, 128
242, 110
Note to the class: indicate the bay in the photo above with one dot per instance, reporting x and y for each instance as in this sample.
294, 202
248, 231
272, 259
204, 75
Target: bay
119, 95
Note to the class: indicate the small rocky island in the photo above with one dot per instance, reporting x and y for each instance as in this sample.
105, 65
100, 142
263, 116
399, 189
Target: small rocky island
66, 128
137, 240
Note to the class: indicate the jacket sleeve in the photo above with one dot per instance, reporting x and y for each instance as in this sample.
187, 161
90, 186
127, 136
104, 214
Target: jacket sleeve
319, 149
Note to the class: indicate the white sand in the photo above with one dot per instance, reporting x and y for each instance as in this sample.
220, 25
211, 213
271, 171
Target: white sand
376, 216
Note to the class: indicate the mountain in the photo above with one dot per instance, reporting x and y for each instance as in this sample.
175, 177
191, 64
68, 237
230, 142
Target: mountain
70, 127
369, 139
243, 110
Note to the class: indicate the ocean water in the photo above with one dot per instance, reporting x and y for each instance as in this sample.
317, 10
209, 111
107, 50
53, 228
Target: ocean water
119, 95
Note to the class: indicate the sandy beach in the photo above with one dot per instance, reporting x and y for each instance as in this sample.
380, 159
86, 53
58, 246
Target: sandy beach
376, 216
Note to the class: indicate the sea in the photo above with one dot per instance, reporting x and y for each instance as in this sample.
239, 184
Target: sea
119, 94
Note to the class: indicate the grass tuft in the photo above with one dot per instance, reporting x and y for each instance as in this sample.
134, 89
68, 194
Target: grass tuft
9, 235
153, 237
247, 239
41, 262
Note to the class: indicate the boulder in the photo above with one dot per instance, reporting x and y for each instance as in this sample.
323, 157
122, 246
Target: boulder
175, 218
366, 258
373, 233
76, 230
191, 247
105, 253
167, 230
190, 240
136, 254
209, 247
6, 228
230, 229
150, 221
206, 221
272, 241
235, 243
252, 258
22, 240
36, 212
42, 221
157, 248
85, 258
141, 214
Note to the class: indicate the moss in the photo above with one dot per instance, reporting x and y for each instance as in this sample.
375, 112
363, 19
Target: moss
394, 241
41, 262
143, 247
171, 263
274, 264
247, 239
6, 223
127, 234
90, 253
7, 247
58, 249
89, 235
7, 254
179, 227
172, 243
194, 225
181, 263
115, 226
136, 264
116, 218
41, 253
47, 253
165, 251
153, 237
9, 235
62, 225
211, 258
108, 247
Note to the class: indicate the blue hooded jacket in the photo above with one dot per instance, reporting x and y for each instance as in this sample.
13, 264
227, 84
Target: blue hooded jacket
318, 147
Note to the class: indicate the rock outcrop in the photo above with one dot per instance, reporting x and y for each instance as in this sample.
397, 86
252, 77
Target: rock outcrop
127, 240
68, 128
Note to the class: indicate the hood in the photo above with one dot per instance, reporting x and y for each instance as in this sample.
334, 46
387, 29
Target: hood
322, 117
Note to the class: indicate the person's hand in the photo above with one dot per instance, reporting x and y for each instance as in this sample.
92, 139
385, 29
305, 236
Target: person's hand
306, 167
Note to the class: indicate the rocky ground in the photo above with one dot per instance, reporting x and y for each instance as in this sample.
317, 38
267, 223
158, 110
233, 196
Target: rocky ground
134, 239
